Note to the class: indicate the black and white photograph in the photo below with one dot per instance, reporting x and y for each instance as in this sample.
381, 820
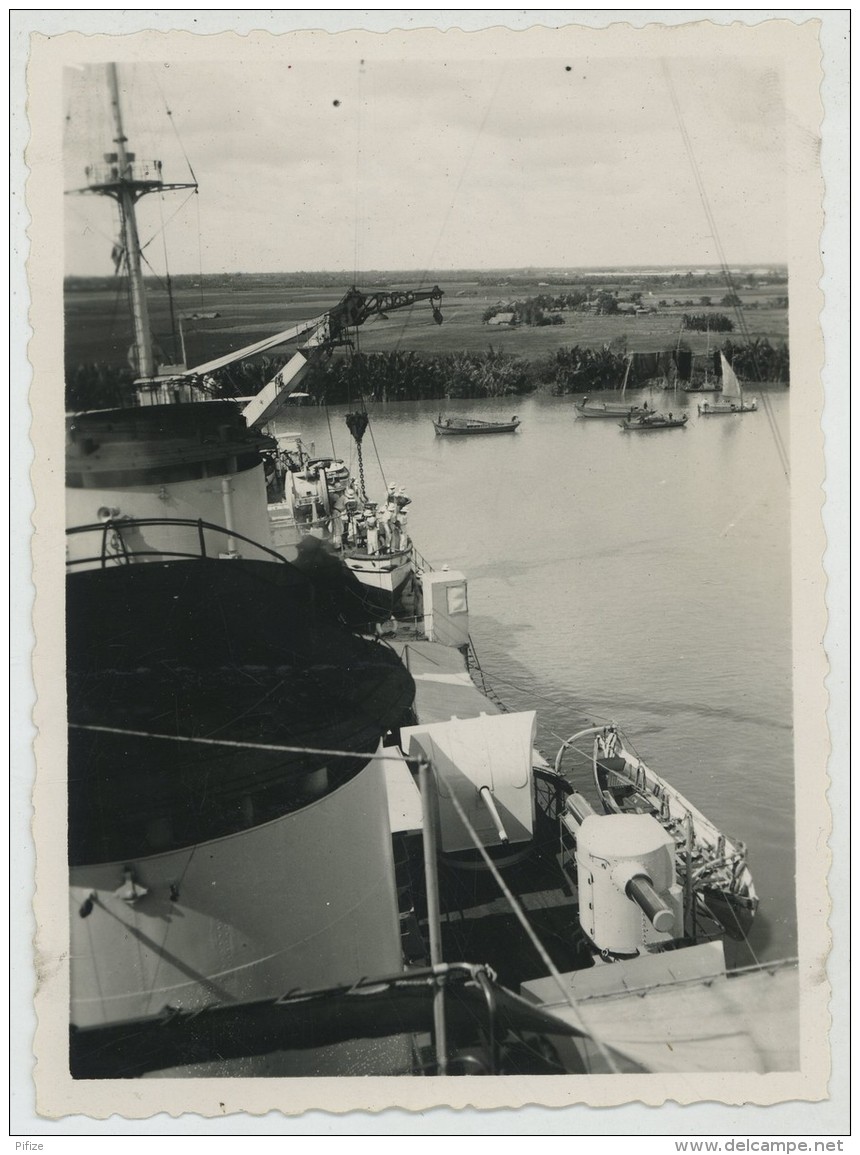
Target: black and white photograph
432, 681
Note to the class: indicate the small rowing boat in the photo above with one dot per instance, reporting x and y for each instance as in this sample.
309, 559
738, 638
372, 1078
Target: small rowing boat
460, 426
589, 408
711, 869
652, 421
718, 887
623, 408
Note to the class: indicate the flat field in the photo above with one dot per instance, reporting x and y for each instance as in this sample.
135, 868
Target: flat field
98, 328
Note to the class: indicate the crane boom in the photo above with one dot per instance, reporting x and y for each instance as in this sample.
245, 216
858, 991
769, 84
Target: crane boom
356, 307
325, 331
258, 347
329, 328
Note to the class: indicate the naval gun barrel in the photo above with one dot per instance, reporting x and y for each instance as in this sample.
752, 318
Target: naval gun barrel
486, 795
640, 891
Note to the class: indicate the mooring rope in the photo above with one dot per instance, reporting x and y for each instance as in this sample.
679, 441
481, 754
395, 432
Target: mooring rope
267, 746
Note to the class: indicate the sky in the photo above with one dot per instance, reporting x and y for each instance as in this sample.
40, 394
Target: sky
357, 164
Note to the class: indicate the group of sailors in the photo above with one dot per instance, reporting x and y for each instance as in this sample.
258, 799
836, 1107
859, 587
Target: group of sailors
276, 465
376, 528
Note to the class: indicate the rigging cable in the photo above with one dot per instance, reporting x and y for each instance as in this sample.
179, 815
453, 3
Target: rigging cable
164, 223
122, 285
727, 273
464, 170
277, 748
169, 112
422, 280
168, 923
153, 270
703, 196
777, 436
532, 936
161, 285
173, 333
378, 458
357, 217
113, 331
199, 253
194, 192
330, 431
89, 226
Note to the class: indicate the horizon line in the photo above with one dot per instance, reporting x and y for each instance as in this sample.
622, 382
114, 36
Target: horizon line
534, 270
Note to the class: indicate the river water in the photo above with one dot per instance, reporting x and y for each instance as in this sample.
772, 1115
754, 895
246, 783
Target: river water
637, 578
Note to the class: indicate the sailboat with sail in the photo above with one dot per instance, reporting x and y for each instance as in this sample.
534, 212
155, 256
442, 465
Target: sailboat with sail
732, 400
706, 385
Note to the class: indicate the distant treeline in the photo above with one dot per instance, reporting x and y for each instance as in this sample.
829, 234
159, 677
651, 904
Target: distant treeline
758, 360
368, 278
95, 385
708, 322
746, 278
408, 376
395, 376
402, 376
580, 370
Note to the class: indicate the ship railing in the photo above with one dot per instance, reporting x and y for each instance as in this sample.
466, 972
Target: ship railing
115, 550
551, 792
476, 673
420, 561
111, 172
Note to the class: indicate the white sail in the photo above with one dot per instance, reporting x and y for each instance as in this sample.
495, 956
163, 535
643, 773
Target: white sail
731, 385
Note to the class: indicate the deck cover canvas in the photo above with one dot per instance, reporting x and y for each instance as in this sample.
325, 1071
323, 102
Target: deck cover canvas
748, 1022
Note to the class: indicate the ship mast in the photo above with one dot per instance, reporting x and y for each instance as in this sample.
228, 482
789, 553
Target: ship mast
126, 180
127, 192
